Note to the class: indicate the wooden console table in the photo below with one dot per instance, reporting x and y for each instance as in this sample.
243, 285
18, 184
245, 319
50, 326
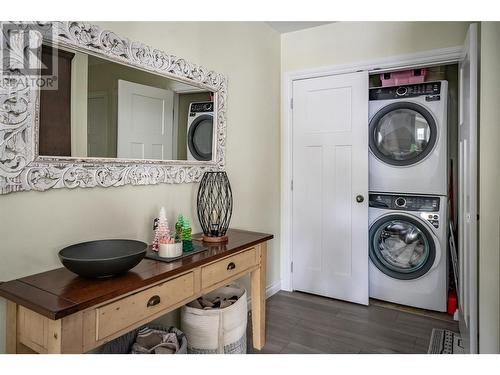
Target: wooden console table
60, 312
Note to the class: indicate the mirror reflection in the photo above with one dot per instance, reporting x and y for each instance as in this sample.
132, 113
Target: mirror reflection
107, 110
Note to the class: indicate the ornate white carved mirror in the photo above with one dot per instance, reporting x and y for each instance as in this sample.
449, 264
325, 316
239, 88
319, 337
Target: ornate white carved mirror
83, 107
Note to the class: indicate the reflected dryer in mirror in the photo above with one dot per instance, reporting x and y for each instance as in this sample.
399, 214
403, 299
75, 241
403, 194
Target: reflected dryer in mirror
115, 112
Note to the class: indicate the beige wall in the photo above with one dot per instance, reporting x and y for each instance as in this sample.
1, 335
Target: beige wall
345, 42
489, 183
34, 225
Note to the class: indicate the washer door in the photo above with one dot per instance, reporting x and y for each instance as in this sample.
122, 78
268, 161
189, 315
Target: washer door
401, 247
402, 133
200, 137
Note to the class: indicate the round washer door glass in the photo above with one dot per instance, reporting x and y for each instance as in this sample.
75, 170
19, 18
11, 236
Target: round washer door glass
401, 247
200, 138
402, 133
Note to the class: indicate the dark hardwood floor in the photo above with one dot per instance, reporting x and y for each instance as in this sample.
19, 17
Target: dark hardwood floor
300, 323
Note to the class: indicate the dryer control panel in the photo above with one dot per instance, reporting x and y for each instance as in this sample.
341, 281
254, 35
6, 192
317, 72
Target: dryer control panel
431, 91
201, 107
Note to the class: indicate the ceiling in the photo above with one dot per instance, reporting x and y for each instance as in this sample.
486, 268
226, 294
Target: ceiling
286, 26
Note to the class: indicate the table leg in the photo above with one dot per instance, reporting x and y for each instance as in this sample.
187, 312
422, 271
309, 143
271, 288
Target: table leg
11, 328
54, 337
258, 280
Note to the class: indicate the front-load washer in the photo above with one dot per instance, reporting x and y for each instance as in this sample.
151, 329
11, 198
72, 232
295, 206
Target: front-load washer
200, 131
408, 241
408, 138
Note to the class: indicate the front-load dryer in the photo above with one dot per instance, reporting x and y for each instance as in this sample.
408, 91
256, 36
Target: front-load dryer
200, 131
407, 246
408, 138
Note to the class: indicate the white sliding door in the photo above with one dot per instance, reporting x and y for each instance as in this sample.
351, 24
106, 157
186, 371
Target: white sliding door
330, 186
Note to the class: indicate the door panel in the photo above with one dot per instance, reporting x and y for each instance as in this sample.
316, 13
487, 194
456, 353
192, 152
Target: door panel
312, 228
330, 168
339, 181
467, 190
319, 100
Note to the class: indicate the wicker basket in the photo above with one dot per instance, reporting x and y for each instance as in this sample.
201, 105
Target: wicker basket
123, 344
221, 330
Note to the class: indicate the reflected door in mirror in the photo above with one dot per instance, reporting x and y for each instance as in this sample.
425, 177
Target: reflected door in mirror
55, 114
98, 124
144, 122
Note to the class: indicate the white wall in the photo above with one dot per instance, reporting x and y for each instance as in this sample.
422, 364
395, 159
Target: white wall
35, 225
489, 183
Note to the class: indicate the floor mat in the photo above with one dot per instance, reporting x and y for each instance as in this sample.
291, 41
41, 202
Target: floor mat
445, 342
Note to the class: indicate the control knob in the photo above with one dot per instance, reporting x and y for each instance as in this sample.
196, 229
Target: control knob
400, 202
401, 91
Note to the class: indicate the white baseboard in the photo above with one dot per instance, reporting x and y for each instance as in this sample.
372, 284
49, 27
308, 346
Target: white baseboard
270, 290
273, 289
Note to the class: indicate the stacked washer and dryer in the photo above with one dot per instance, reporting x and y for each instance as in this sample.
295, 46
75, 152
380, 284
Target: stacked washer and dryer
408, 194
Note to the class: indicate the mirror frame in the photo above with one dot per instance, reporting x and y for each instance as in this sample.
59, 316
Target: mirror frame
22, 169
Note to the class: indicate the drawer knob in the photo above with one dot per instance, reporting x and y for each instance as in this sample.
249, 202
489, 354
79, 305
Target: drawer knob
155, 300
231, 266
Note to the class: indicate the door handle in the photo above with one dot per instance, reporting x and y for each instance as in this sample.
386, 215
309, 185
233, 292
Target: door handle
155, 300
360, 198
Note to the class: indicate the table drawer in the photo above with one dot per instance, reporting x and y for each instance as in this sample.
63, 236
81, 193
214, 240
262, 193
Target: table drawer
227, 267
125, 312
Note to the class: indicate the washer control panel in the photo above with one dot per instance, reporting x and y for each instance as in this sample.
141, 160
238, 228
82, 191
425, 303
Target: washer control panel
431, 91
405, 202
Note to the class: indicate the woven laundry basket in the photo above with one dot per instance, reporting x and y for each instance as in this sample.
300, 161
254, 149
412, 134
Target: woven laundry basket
217, 330
123, 344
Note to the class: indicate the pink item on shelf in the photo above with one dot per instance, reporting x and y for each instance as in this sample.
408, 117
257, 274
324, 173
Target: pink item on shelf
403, 77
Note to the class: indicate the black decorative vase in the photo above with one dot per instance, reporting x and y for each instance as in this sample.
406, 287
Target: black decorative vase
215, 206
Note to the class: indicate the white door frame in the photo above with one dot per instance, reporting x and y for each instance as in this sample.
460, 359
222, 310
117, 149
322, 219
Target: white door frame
468, 208
427, 58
